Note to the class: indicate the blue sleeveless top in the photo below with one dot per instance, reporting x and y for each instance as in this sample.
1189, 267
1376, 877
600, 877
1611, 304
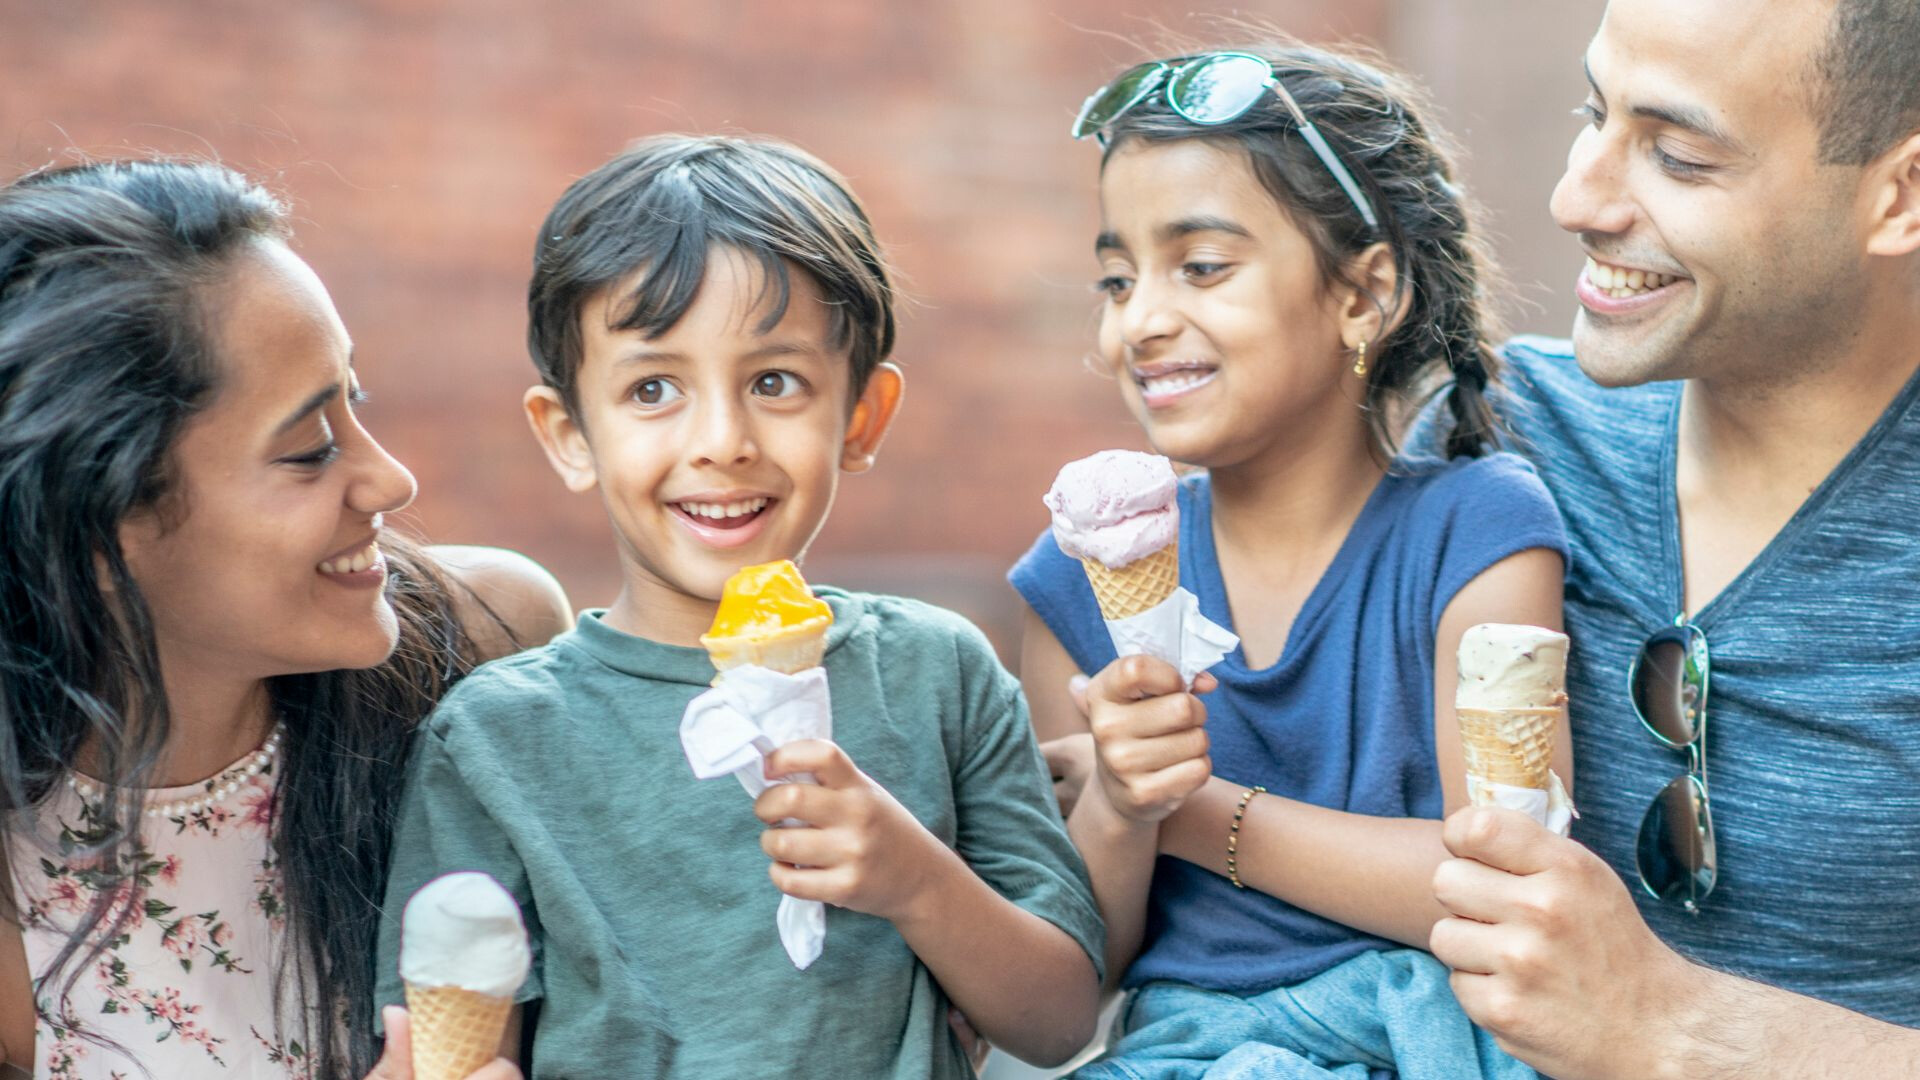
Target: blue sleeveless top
1344, 719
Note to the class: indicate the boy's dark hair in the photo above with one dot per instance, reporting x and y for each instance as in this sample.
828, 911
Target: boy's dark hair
661, 207
1372, 118
1865, 95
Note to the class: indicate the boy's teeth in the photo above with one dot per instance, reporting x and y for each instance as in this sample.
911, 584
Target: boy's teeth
725, 510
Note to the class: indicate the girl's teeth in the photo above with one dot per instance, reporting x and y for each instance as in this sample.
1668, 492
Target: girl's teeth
1173, 384
722, 511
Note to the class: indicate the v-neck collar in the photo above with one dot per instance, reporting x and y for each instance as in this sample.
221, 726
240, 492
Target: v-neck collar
1782, 543
1205, 572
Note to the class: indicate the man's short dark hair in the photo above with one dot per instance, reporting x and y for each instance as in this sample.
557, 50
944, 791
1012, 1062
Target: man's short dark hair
661, 207
1866, 87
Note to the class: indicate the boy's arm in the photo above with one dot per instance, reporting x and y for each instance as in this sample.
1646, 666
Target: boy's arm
444, 826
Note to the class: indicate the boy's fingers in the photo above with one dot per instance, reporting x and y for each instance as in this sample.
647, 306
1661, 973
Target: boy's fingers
828, 885
1503, 839
396, 1058
801, 847
810, 803
827, 762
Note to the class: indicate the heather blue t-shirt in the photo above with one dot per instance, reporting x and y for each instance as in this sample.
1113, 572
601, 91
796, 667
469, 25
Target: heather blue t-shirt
1344, 718
1813, 709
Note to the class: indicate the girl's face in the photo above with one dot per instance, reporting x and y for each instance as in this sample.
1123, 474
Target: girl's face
1216, 324
263, 558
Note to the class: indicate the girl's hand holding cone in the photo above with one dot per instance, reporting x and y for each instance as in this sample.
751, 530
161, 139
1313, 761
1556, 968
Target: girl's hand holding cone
1149, 736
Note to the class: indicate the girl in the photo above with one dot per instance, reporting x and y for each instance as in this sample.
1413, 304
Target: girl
211, 653
1288, 272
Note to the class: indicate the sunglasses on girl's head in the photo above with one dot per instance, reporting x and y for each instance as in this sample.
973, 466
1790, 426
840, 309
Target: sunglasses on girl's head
1212, 89
1668, 687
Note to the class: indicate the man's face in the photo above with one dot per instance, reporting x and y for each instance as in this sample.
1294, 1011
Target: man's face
1718, 246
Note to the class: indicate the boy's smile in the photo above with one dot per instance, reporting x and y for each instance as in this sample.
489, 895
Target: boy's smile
716, 444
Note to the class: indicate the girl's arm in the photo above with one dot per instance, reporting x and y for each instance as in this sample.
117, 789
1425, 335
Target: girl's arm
1371, 873
1045, 668
1151, 743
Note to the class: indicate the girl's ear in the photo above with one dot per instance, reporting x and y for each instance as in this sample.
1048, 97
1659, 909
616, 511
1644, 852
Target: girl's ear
562, 437
872, 415
1369, 310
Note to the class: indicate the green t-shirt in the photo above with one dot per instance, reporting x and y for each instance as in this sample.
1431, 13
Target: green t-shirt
559, 771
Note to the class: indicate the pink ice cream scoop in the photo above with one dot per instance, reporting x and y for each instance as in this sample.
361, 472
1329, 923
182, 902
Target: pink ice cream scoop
1116, 506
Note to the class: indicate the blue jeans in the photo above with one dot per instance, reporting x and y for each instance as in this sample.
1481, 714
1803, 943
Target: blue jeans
1379, 1015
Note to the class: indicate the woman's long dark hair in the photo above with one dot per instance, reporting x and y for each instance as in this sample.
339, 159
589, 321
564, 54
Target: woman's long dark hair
1372, 117
105, 356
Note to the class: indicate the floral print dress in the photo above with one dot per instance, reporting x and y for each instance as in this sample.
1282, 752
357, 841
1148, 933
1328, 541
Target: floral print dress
185, 988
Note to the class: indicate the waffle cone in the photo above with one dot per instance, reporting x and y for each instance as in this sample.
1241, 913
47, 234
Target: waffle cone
455, 1031
1509, 746
790, 650
1137, 586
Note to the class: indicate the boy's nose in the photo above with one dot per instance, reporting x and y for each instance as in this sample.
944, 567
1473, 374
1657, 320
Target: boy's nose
722, 435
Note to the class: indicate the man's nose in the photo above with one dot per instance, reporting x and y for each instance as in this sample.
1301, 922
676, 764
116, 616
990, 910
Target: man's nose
1592, 195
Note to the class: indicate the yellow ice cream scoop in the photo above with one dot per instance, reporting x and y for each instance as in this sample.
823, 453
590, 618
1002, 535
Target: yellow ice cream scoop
768, 617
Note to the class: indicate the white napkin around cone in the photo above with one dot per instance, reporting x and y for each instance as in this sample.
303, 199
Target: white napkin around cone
1551, 808
1174, 630
731, 729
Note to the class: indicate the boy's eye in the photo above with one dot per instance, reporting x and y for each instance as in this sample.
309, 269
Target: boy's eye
1201, 271
655, 392
777, 384
1114, 286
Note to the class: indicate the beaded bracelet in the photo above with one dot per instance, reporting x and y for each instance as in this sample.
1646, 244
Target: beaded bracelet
1233, 835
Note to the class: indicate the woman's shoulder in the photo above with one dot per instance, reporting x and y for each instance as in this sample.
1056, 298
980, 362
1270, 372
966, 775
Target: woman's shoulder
505, 601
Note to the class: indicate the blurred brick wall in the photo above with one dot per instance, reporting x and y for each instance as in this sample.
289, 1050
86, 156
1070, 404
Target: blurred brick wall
421, 143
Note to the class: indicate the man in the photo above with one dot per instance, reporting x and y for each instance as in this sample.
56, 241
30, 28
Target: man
1748, 194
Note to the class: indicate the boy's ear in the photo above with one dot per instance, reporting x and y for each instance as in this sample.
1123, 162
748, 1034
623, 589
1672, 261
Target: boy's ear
1895, 178
561, 437
1363, 308
872, 415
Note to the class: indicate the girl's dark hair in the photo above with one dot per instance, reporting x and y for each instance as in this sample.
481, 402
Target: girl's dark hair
1372, 119
105, 355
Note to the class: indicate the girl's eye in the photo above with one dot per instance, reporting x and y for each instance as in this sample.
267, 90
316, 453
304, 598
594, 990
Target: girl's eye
777, 384
319, 458
655, 392
1591, 113
1113, 285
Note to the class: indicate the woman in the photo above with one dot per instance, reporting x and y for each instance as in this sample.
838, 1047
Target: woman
212, 654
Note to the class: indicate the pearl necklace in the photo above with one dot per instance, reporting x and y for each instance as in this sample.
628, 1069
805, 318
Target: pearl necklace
216, 790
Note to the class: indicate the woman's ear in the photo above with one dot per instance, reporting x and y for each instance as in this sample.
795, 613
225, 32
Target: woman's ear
562, 437
1895, 180
1368, 309
872, 415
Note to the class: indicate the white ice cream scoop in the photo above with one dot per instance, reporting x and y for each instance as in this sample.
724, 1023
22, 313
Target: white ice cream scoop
1509, 666
464, 930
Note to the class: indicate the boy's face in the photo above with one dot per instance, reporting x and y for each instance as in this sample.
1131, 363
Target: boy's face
714, 446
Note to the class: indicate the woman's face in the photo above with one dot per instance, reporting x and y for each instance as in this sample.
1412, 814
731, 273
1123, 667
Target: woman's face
263, 558
1225, 343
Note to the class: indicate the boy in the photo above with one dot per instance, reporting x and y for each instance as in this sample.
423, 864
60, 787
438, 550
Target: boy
711, 319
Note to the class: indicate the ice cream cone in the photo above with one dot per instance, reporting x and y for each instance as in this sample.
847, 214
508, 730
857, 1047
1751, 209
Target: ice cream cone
1136, 587
1509, 746
454, 1031
791, 650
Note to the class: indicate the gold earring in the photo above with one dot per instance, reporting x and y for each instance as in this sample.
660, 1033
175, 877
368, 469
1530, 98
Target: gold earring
1360, 362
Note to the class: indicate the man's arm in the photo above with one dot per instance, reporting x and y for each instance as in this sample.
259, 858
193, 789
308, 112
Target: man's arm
1550, 954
